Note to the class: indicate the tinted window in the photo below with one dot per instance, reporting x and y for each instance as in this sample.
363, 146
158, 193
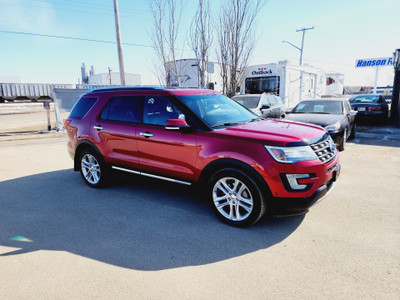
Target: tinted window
82, 107
157, 110
259, 85
365, 99
124, 109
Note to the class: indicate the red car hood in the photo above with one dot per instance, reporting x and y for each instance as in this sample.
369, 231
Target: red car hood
276, 132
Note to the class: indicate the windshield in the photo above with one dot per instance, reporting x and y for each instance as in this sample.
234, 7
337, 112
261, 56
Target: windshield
365, 99
319, 107
249, 102
259, 85
217, 110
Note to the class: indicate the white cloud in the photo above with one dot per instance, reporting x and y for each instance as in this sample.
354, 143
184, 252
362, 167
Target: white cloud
23, 15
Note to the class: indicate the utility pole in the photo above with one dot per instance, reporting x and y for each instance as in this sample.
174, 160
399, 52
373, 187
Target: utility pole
120, 57
109, 73
302, 42
301, 56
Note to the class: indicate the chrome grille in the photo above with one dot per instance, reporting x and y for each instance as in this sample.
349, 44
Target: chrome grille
325, 150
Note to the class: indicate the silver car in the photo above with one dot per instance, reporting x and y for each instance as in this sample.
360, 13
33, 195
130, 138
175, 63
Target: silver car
265, 105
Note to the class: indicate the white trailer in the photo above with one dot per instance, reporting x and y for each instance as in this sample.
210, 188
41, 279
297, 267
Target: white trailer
284, 80
188, 75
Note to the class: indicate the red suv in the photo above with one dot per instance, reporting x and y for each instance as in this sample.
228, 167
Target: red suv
249, 166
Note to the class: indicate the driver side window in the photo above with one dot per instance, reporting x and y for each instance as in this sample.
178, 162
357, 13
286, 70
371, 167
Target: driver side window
157, 110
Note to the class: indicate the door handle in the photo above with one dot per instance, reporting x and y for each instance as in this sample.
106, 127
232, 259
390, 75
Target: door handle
146, 134
98, 127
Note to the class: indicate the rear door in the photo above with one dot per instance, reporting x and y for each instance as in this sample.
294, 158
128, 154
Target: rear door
115, 130
167, 153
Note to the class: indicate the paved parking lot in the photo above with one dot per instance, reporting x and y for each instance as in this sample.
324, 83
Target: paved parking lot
146, 239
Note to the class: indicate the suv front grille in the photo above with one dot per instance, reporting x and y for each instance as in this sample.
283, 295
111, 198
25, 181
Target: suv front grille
325, 150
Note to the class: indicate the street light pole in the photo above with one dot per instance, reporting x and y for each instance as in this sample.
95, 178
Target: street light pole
301, 56
302, 42
120, 57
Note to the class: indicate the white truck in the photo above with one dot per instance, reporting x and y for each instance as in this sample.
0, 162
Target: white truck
284, 80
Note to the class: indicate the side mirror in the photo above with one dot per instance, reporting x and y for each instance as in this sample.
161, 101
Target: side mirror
352, 113
264, 107
288, 111
178, 125
388, 101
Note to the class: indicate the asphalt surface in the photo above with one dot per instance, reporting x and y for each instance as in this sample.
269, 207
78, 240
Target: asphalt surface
147, 239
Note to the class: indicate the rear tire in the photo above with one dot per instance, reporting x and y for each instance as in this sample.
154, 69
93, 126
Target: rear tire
235, 197
94, 170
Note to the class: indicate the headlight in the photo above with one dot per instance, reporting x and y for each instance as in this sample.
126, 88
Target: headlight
291, 155
334, 127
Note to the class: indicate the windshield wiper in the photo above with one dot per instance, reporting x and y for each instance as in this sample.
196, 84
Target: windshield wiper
255, 119
226, 124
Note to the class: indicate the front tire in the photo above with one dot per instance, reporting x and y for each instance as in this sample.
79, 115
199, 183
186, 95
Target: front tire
236, 198
93, 169
342, 144
353, 132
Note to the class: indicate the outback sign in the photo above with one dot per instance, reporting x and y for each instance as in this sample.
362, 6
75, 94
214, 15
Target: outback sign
374, 62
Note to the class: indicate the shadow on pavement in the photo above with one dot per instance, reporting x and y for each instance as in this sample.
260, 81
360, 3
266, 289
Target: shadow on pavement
135, 223
384, 135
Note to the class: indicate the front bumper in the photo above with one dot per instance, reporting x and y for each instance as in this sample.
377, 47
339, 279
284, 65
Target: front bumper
294, 206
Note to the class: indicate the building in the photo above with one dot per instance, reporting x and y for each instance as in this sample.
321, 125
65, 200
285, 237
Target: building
114, 78
188, 75
110, 78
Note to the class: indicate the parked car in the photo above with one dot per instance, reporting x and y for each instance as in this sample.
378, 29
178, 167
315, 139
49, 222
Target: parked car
335, 115
264, 105
370, 107
247, 166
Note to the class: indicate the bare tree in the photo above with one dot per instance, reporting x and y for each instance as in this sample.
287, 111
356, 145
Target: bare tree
236, 38
164, 35
201, 38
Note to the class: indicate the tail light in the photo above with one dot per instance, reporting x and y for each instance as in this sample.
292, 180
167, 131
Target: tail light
374, 108
66, 123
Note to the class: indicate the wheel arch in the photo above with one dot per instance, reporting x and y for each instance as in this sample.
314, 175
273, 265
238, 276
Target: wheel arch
80, 146
224, 163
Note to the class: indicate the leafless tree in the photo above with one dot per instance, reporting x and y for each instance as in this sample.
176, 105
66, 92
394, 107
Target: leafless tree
236, 37
201, 38
164, 34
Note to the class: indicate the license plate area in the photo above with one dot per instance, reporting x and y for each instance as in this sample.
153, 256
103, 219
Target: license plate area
362, 109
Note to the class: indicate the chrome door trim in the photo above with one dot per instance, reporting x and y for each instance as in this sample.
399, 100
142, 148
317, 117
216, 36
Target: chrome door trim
152, 176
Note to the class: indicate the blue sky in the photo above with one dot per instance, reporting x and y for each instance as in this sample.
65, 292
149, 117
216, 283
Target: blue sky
345, 30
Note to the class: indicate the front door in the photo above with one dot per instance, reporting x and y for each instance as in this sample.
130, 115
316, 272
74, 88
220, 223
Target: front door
167, 153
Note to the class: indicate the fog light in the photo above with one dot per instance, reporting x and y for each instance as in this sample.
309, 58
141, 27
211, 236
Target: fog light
294, 185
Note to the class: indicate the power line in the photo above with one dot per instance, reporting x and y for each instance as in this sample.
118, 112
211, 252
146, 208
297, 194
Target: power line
71, 38
79, 39
85, 8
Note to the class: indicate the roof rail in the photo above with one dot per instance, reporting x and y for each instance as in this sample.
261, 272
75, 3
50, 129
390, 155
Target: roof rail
122, 88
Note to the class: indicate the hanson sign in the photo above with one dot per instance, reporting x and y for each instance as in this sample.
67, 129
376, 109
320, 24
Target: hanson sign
374, 62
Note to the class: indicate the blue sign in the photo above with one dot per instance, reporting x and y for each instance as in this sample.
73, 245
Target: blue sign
374, 62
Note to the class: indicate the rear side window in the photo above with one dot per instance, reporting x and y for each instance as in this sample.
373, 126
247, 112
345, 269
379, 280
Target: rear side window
123, 109
82, 107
